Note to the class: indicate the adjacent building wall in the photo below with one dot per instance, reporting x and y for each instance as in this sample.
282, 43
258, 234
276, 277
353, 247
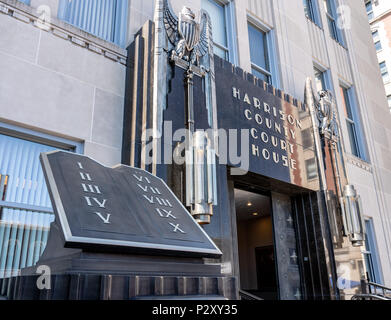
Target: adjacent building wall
381, 22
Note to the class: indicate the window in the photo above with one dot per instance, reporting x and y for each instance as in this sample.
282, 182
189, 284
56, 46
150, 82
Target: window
106, 19
25, 207
384, 72
389, 101
378, 46
307, 138
369, 8
331, 13
259, 52
311, 10
320, 80
26, 1
352, 123
371, 255
311, 168
219, 27
376, 40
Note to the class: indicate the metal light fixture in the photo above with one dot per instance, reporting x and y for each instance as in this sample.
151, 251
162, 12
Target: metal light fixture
201, 192
352, 216
324, 116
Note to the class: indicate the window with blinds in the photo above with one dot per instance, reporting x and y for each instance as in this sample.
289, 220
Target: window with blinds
259, 52
369, 8
25, 207
355, 135
384, 72
106, 19
331, 13
376, 40
320, 80
371, 254
311, 169
217, 14
311, 11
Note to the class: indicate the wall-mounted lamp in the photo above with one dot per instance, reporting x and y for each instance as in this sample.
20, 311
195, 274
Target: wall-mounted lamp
352, 216
201, 191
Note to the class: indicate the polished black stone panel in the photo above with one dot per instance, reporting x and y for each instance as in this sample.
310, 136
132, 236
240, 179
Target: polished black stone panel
176, 100
120, 209
275, 126
138, 113
287, 255
308, 215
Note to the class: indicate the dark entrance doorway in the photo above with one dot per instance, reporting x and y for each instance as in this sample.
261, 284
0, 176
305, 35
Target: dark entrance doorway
257, 263
266, 269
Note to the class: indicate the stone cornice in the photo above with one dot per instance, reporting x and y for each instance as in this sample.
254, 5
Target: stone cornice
359, 163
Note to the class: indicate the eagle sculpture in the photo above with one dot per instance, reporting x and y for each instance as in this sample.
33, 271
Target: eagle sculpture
327, 113
191, 39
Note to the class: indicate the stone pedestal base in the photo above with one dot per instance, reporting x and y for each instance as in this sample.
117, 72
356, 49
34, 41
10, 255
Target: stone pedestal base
77, 274
119, 287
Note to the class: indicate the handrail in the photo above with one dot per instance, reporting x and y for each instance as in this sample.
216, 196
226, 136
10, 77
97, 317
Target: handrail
248, 296
369, 296
379, 290
379, 286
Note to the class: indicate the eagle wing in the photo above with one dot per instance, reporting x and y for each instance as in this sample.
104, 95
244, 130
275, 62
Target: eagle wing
205, 34
170, 22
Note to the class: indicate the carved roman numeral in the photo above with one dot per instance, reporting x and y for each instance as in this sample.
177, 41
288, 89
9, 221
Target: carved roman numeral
155, 190
176, 228
141, 178
152, 189
106, 219
150, 200
85, 176
160, 201
91, 188
163, 202
101, 204
165, 213
145, 189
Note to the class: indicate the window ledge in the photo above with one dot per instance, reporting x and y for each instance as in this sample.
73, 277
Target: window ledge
314, 23
339, 43
59, 28
360, 163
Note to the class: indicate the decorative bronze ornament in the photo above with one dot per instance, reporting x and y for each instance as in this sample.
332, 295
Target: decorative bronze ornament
325, 124
190, 38
190, 47
327, 115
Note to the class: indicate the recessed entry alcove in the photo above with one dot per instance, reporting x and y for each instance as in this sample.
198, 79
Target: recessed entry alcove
258, 274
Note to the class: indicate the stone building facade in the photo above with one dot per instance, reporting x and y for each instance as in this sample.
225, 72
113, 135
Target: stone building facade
62, 86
